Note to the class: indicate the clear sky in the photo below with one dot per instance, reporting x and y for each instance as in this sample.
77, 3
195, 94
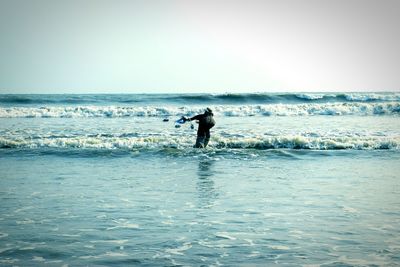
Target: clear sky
118, 46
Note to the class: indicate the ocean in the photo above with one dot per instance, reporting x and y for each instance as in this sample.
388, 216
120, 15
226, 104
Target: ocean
288, 179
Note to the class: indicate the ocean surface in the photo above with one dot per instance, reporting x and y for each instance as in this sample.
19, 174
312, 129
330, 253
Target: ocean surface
287, 180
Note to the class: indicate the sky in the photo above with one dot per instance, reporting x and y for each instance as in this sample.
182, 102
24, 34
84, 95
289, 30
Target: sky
189, 46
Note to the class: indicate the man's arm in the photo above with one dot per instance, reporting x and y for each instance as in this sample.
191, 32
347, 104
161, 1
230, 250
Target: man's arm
197, 117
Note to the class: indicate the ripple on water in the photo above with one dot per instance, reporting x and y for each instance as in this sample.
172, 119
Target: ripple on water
7, 261
279, 247
38, 258
105, 255
122, 223
2, 235
179, 250
113, 241
25, 221
225, 235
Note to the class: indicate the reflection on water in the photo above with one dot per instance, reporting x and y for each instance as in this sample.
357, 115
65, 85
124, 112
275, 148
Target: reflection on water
205, 184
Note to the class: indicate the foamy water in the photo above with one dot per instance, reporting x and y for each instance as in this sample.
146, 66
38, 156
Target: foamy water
332, 109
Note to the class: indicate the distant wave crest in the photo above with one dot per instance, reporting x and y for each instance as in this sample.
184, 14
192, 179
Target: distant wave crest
206, 99
335, 109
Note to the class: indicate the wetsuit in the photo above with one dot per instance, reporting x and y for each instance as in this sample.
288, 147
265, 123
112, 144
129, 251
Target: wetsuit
206, 122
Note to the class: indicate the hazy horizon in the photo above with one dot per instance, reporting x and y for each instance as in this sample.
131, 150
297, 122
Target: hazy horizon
199, 46
207, 93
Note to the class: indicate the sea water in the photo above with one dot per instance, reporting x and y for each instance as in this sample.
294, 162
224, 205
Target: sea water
287, 179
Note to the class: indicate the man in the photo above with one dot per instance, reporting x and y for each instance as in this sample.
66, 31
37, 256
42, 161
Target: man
206, 122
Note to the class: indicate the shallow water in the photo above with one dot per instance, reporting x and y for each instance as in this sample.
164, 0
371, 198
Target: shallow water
207, 208
295, 189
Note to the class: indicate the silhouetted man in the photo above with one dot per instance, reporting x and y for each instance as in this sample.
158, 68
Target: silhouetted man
206, 122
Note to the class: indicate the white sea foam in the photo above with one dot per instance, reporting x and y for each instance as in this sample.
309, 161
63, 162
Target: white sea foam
312, 96
372, 97
218, 141
305, 109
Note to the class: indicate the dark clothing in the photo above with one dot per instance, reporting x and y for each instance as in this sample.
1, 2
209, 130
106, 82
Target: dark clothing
206, 122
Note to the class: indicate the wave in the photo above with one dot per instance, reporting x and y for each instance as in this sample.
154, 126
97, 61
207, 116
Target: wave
352, 97
47, 99
206, 99
217, 142
333, 109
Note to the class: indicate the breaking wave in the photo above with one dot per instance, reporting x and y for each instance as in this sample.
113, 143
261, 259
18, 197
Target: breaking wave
105, 142
335, 109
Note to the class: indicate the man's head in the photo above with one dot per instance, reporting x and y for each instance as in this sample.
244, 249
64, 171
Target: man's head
208, 111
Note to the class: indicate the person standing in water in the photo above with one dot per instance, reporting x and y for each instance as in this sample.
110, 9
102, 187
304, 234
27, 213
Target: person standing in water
206, 122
